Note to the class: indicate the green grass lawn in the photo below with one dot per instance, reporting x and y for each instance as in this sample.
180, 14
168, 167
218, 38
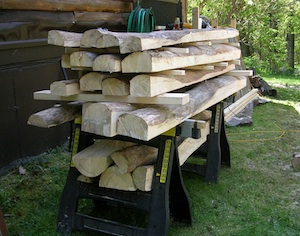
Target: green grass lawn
258, 195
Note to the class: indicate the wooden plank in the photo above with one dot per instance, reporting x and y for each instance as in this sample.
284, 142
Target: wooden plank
149, 122
155, 61
173, 72
240, 104
55, 116
203, 67
148, 85
92, 81
65, 87
130, 158
101, 118
93, 160
240, 73
176, 49
74, 5
167, 98
64, 38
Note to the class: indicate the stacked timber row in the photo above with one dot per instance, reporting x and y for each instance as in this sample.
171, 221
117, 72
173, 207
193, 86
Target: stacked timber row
34, 18
140, 85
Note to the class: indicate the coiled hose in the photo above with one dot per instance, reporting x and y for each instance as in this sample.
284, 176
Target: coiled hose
141, 20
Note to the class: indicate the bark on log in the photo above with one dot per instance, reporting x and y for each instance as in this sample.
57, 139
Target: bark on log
110, 20
149, 122
54, 116
74, 5
142, 177
92, 81
155, 61
93, 160
101, 118
129, 158
149, 85
64, 38
113, 178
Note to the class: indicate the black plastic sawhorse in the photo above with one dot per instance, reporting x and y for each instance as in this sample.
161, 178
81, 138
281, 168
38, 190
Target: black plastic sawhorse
215, 150
168, 196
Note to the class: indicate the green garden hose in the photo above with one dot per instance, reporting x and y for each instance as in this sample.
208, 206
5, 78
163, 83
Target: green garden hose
141, 20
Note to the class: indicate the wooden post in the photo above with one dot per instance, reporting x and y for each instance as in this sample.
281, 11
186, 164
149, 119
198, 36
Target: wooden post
196, 22
214, 23
3, 230
233, 23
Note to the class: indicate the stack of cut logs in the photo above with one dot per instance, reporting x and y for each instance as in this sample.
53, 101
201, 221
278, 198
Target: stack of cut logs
139, 85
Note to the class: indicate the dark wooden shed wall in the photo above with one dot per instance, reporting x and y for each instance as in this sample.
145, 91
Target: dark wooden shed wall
29, 64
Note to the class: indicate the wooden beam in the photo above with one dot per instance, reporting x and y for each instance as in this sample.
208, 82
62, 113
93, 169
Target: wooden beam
155, 61
134, 42
92, 81
148, 85
74, 5
196, 22
55, 116
93, 160
65, 61
116, 86
65, 87
101, 118
142, 177
82, 59
101, 38
113, 178
130, 158
108, 63
145, 41
149, 122
64, 38
167, 98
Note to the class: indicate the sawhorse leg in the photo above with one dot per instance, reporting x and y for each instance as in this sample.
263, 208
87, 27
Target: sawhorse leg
169, 193
216, 149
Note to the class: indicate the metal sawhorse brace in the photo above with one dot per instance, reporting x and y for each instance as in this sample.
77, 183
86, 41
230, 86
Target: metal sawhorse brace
168, 196
216, 150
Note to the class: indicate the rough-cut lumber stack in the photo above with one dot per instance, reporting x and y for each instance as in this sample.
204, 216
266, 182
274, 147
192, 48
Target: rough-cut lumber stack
128, 82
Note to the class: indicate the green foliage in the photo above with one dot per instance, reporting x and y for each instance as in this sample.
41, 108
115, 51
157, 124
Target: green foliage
263, 26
